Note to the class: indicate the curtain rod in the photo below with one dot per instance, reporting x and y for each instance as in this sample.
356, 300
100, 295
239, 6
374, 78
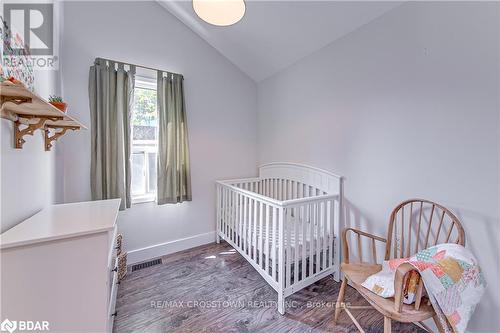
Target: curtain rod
146, 67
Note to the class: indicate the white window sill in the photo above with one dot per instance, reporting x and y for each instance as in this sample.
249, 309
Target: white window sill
143, 199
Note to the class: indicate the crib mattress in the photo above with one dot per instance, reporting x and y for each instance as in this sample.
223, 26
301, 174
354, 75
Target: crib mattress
296, 240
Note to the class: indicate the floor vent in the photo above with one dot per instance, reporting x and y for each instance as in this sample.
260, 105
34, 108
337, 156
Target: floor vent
146, 264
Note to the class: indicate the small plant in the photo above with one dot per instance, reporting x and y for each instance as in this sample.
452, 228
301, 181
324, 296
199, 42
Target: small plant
57, 101
54, 98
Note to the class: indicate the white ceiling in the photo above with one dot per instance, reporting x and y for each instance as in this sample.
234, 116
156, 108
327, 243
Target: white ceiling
274, 34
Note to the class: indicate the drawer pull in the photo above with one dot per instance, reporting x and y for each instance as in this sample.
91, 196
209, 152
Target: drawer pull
114, 314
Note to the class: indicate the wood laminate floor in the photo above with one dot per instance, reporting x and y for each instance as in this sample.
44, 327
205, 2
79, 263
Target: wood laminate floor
213, 289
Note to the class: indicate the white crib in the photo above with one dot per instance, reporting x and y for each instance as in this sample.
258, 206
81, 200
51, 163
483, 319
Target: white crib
286, 223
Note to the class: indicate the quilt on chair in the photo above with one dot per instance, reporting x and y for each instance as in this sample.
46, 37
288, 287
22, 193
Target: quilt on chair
452, 278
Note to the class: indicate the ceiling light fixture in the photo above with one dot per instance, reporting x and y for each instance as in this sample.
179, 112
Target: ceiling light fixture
220, 12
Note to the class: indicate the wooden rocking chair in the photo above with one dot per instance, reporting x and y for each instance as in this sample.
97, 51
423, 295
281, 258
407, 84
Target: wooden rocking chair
414, 225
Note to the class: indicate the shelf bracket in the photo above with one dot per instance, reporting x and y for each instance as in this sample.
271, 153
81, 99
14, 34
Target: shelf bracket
49, 138
20, 133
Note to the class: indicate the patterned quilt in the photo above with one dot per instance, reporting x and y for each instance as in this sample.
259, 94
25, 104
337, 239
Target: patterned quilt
452, 278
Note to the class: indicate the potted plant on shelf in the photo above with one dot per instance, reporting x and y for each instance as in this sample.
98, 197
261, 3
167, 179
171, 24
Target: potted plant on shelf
58, 102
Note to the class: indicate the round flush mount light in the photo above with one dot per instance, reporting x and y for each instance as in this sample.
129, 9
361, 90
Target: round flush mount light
219, 12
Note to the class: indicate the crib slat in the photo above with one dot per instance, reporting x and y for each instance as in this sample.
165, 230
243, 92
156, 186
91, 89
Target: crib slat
232, 213
296, 247
255, 218
234, 216
240, 220
280, 189
289, 190
274, 240
244, 227
281, 256
248, 233
304, 240
226, 212
261, 218
288, 261
276, 189
283, 189
317, 237
219, 210
331, 220
266, 243
250, 227
311, 238
220, 206
230, 217
325, 232
235, 219
231, 204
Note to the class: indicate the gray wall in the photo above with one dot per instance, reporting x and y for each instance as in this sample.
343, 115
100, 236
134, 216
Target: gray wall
220, 101
406, 106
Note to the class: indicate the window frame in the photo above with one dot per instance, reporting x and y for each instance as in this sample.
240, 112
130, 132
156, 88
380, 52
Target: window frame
141, 146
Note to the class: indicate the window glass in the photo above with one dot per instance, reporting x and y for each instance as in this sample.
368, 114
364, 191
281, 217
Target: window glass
144, 143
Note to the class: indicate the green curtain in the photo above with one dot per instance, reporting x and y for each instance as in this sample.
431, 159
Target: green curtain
111, 94
174, 175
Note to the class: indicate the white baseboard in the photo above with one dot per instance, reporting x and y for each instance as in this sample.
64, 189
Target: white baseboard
158, 250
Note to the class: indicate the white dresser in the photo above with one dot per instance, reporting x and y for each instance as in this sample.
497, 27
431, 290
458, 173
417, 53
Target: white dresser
59, 266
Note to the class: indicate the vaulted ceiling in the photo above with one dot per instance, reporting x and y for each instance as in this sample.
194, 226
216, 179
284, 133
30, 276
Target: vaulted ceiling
274, 34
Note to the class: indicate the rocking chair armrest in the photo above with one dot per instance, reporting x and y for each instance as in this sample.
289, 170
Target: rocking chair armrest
360, 233
399, 284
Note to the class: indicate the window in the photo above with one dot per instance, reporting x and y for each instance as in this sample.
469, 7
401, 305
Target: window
144, 141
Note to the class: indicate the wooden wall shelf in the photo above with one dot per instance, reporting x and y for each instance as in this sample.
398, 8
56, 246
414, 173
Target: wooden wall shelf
30, 112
